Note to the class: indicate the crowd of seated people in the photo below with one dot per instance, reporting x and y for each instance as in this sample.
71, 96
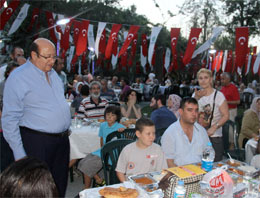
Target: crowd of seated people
190, 122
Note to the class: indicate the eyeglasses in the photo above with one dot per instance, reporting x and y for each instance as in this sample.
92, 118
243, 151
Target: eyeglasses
48, 58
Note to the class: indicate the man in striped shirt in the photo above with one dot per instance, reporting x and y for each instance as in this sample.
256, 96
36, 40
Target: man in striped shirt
93, 106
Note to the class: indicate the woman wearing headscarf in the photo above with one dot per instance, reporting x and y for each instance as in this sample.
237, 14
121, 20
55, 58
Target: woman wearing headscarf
76, 93
250, 123
173, 104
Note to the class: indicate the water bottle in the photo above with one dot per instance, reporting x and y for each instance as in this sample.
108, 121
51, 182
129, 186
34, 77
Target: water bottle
208, 156
75, 120
179, 191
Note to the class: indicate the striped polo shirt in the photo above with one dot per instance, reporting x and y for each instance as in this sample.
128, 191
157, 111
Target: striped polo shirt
92, 110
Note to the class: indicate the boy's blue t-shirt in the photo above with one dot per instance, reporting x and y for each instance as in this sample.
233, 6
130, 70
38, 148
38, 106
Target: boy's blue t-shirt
104, 131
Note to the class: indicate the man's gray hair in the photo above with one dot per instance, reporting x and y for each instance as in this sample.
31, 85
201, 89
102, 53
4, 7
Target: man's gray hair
94, 83
227, 75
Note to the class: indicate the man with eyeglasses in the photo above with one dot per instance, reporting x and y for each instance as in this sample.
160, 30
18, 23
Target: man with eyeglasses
36, 116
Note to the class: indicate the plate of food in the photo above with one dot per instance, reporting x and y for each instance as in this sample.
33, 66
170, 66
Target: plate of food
121, 192
126, 189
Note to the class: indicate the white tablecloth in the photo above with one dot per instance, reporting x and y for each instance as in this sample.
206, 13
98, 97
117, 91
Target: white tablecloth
250, 149
83, 140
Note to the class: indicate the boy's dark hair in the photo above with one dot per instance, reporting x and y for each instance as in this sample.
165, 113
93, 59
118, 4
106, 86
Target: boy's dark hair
188, 100
160, 97
114, 110
143, 122
84, 90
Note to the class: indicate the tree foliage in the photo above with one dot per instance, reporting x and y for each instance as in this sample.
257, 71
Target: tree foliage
243, 13
202, 13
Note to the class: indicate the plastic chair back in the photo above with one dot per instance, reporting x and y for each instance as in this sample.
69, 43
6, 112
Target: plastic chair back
247, 99
109, 155
237, 153
126, 134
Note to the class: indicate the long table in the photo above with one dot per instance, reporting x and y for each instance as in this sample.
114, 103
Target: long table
83, 140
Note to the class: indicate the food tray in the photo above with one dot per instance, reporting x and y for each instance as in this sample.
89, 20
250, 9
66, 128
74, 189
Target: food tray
145, 182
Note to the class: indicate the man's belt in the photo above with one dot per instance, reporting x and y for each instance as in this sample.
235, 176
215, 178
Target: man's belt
62, 134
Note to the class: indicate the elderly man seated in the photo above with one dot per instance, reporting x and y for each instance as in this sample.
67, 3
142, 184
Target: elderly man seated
93, 106
184, 141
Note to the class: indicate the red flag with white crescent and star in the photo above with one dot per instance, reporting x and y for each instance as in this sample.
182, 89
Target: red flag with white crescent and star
133, 51
65, 37
130, 36
102, 42
123, 60
241, 46
35, 16
8, 12
174, 38
144, 45
112, 41
51, 25
76, 29
83, 38
194, 36
229, 62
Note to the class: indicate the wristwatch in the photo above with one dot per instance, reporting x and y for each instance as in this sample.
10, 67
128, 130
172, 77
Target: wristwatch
217, 125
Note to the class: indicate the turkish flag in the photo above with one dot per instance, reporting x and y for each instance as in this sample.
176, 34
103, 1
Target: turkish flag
83, 38
144, 45
229, 62
220, 57
76, 29
102, 42
174, 64
133, 51
51, 25
174, 38
130, 36
123, 60
112, 41
241, 46
194, 36
35, 16
65, 37
8, 12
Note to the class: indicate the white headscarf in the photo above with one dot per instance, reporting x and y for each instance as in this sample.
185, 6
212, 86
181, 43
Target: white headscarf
253, 107
77, 87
